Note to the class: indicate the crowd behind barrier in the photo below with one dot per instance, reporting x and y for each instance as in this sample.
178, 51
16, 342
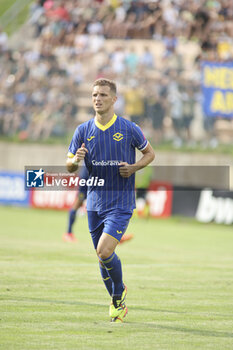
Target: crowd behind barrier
153, 49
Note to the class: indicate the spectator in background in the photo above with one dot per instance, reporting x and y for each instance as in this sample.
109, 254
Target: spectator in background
176, 108
170, 42
132, 61
58, 11
20, 96
48, 4
147, 59
132, 26
155, 112
170, 13
134, 102
74, 70
95, 27
188, 100
201, 22
37, 16
120, 12
41, 124
81, 41
118, 61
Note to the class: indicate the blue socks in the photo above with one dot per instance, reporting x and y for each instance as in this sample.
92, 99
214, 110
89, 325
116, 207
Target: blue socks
113, 268
106, 278
72, 217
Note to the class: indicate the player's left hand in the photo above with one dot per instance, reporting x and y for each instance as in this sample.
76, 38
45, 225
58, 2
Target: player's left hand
125, 169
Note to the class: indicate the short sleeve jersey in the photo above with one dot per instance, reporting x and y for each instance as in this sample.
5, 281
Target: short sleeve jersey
107, 146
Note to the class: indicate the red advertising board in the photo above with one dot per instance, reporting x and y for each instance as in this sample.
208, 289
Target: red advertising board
53, 199
159, 198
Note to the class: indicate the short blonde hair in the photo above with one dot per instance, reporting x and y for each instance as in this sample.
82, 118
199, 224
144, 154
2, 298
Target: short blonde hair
108, 82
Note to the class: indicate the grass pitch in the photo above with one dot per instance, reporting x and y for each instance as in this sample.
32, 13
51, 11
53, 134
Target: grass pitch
5, 5
178, 273
16, 21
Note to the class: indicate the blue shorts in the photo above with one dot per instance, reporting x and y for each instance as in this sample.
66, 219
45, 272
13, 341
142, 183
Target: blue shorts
82, 192
114, 222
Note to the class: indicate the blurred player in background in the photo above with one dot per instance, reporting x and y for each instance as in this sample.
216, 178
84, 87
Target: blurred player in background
142, 181
107, 144
81, 196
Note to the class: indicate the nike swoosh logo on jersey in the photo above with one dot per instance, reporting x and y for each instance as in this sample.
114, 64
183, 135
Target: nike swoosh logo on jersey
90, 138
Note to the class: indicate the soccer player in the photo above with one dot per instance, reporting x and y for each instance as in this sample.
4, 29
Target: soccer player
107, 145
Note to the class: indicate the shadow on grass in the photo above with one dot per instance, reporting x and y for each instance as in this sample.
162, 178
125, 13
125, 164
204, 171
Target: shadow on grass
77, 302
202, 333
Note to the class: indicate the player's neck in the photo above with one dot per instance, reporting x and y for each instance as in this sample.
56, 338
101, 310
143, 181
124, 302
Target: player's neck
103, 119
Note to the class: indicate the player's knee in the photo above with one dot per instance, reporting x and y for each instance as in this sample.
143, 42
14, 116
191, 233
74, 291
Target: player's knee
103, 253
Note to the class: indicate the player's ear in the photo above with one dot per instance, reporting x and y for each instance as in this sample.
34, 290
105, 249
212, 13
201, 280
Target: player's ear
114, 99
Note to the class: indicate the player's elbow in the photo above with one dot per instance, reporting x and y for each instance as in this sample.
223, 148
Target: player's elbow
149, 152
70, 166
152, 154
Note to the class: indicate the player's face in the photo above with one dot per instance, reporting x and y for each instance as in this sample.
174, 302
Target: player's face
103, 99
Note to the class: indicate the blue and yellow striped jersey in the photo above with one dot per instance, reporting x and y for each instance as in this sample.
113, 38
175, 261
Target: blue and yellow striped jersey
107, 146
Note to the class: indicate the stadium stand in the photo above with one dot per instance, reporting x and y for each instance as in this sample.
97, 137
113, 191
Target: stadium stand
153, 50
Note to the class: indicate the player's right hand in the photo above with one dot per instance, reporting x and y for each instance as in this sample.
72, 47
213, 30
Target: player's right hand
81, 152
